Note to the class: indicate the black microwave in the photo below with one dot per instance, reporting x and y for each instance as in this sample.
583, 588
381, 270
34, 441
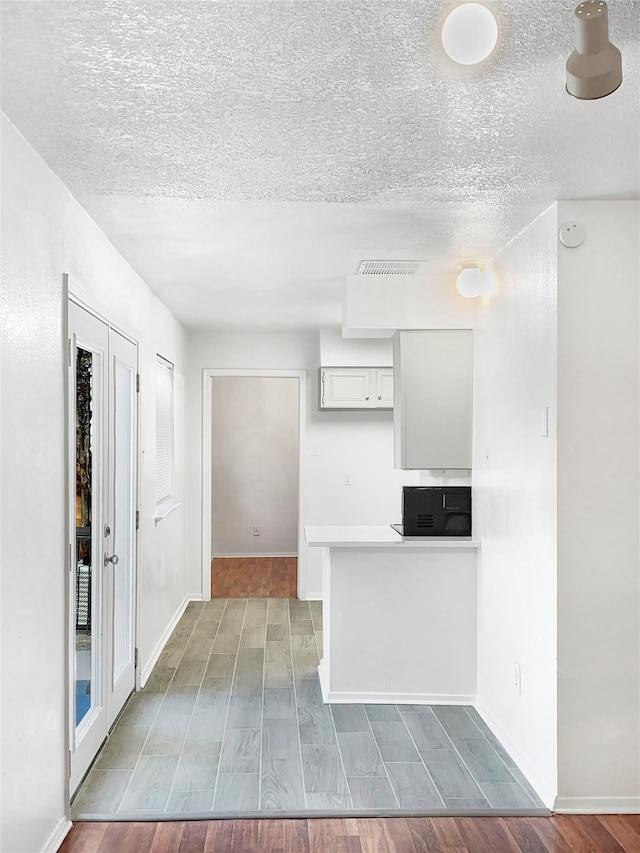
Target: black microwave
436, 510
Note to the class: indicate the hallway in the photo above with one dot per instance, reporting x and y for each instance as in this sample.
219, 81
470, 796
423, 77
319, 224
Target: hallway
232, 722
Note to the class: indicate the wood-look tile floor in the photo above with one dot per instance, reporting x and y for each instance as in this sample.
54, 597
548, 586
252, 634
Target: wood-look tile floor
254, 577
232, 721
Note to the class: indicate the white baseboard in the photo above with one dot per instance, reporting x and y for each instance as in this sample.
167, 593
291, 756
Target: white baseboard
311, 596
147, 668
340, 697
544, 789
597, 805
57, 836
262, 554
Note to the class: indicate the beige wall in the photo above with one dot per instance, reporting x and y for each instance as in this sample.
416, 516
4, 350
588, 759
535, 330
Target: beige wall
255, 465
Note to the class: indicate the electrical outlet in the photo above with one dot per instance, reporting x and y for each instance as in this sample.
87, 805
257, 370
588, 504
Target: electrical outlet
518, 678
256, 531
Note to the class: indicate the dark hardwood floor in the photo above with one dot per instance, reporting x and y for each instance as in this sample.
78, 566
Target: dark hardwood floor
254, 577
558, 834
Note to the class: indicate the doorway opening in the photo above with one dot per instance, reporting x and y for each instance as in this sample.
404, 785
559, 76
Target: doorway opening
254, 427
254, 486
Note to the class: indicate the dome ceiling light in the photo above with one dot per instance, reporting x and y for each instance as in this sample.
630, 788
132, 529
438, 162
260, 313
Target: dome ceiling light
475, 279
470, 33
594, 69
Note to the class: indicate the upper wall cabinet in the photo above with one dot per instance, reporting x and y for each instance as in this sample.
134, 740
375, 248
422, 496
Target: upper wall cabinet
433, 385
356, 388
384, 387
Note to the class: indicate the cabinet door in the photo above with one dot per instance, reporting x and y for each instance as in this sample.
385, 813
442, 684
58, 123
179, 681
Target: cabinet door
346, 388
432, 412
384, 384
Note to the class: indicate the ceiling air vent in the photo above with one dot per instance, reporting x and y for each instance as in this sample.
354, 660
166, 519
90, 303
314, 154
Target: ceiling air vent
390, 267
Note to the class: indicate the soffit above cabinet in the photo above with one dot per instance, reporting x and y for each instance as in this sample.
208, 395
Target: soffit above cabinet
337, 351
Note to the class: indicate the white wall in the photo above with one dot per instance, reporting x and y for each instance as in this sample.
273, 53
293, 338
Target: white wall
599, 510
359, 444
254, 453
515, 501
44, 234
375, 306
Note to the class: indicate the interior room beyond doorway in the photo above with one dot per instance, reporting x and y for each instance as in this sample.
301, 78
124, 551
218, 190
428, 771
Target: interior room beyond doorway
254, 577
254, 486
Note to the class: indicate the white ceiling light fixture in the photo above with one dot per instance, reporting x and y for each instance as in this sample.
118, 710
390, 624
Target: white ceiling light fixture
475, 279
469, 33
594, 69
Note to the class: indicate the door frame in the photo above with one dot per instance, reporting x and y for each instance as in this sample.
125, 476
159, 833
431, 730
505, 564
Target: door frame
73, 291
208, 374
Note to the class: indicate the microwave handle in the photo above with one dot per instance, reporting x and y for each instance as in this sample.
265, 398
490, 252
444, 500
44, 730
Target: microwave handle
450, 508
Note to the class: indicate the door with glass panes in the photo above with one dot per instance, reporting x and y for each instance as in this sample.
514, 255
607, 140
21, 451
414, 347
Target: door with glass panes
102, 530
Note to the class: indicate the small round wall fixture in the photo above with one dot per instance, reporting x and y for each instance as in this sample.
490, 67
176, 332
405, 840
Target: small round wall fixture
469, 33
594, 69
572, 234
475, 279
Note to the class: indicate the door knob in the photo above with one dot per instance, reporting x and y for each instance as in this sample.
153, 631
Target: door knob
114, 559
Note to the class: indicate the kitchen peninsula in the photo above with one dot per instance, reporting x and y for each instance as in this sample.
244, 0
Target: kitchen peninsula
399, 616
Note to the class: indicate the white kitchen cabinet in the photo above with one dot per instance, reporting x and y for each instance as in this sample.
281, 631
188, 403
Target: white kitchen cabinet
356, 387
415, 641
433, 384
384, 383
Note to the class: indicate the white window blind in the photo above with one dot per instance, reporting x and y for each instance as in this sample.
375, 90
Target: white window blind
164, 431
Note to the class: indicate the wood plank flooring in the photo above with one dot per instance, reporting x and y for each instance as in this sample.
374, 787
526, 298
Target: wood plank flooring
254, 577
558, 834
232, 722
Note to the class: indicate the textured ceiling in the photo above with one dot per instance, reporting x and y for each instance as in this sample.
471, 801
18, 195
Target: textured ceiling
262, 148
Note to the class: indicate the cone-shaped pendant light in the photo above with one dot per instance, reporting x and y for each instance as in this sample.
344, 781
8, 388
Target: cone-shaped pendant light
594, 69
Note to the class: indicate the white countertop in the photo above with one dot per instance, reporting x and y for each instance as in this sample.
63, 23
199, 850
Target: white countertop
348, 536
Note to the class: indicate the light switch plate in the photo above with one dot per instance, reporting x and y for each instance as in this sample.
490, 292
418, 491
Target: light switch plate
544, 422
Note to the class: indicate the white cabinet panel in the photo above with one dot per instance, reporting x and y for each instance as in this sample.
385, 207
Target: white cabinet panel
384, 382
344, 388
433, 399
356, 388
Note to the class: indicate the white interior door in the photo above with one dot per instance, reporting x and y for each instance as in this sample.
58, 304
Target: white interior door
88, 438
119, 544
102, 456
